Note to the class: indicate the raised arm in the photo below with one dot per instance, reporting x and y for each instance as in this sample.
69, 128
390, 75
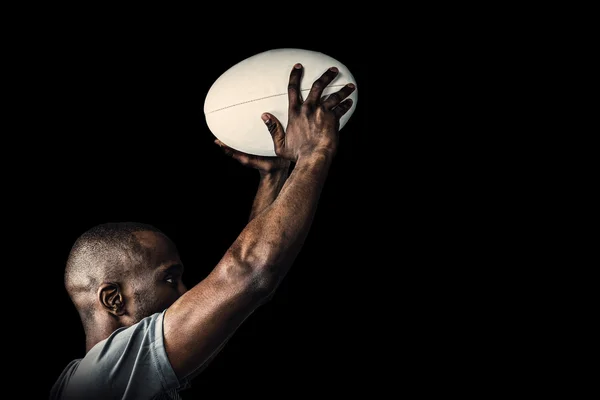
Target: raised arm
273, 171
269, 186
201, 320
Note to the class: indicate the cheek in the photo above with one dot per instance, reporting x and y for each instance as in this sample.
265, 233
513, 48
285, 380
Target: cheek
155, 299
182, 288
165, 296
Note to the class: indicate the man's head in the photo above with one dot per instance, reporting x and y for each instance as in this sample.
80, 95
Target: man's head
119, 273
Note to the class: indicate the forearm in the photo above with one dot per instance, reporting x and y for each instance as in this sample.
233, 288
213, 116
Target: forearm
269, 186
200, 321
271, 241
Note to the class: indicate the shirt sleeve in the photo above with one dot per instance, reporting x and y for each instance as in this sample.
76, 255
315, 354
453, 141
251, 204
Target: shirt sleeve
130, 364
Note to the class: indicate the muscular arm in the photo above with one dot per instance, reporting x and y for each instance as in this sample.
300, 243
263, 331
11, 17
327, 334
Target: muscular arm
197, 323
200, 321
275, 237
269, 186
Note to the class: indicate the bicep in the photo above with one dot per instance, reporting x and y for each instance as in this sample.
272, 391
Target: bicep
198, 324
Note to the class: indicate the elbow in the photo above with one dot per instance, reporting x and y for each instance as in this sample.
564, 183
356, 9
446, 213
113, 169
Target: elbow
254, 274
263, 282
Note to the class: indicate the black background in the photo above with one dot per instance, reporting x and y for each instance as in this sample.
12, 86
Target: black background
124, 139
407, 246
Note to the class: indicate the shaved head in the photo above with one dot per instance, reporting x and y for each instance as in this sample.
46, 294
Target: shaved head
123, 254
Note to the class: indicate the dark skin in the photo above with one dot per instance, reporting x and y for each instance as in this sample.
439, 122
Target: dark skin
159, 278
198, 322
273, 173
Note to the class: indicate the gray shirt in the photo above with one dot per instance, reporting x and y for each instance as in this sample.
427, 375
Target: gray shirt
130, 364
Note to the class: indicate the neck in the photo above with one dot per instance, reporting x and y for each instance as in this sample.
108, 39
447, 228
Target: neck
98, 331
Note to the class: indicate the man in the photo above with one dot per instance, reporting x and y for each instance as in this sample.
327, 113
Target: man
147, 335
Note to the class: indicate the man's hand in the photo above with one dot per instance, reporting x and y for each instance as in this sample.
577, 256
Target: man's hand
313, 124
264, 164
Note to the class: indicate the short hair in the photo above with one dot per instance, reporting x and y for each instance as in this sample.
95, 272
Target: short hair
100, 254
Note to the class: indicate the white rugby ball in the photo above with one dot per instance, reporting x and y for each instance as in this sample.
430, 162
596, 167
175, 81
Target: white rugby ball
237, 99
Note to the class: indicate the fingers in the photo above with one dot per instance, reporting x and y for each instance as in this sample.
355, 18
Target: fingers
226, 149
320, 84
342, 108
294, 95
335, 98
276, 131
235, 154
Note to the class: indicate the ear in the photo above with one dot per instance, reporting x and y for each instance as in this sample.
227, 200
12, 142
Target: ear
111, 298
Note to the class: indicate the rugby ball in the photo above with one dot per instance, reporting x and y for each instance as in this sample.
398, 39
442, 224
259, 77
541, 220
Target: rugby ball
237, 99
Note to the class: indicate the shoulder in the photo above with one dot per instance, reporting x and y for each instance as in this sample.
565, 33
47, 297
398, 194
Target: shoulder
131, 360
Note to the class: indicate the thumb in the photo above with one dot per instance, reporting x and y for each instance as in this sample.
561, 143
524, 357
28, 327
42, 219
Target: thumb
275, 129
